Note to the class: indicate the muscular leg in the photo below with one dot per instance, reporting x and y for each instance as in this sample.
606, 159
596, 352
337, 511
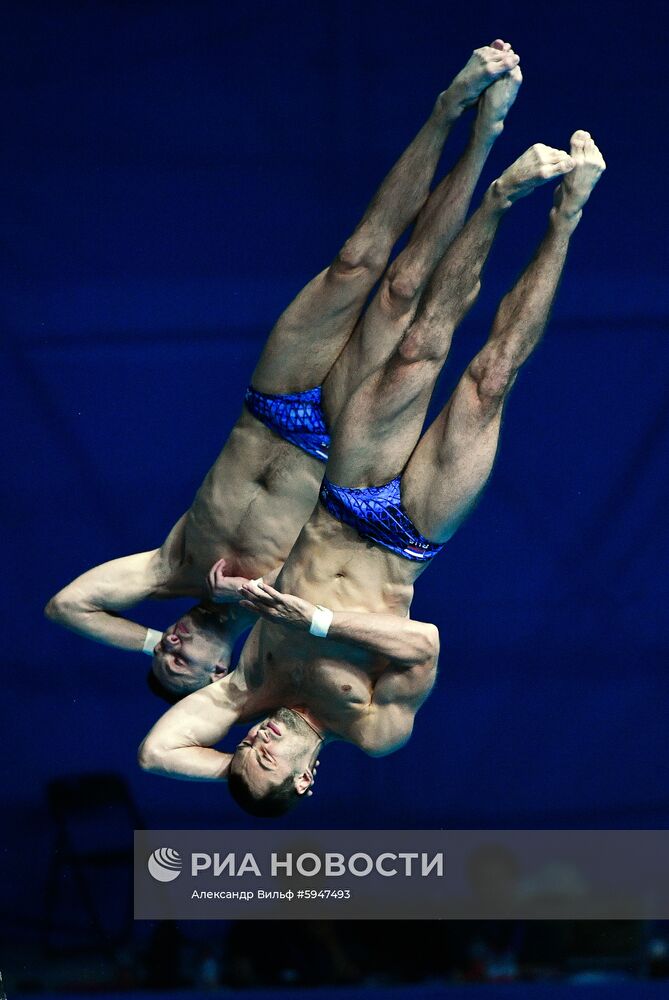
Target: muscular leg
380, 425
453, 460
311, 333
438, 223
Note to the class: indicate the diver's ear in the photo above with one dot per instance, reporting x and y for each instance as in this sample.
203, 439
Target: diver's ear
220, 670
303, 782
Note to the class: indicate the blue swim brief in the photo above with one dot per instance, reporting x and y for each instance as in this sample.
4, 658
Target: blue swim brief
376, 512
297, 417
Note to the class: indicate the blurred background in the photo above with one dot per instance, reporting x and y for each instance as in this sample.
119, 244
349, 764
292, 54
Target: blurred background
174, 172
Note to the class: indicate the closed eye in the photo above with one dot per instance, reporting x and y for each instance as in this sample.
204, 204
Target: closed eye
269, 764
266, 760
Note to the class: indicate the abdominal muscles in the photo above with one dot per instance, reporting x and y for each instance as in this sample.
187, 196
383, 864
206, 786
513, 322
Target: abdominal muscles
332, 565
253, 502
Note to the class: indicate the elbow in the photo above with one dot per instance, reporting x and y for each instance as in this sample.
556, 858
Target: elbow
149, 757
66, 608
429, 652
56, 609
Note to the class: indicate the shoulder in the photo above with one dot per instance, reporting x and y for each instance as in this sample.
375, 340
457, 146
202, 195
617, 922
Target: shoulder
170, 556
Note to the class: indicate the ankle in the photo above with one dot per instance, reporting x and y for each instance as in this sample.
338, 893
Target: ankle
497, 196
448, 107
561, 218
485, 133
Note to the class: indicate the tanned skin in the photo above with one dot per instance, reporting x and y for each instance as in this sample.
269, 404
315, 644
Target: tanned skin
365, 682
261, 489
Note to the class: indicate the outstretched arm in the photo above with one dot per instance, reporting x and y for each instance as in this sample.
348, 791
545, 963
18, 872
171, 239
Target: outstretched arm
401, 640
180, 745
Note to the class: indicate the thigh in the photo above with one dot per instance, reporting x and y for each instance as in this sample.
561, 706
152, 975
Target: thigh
375, 339
310, 335
378, 427
452, 463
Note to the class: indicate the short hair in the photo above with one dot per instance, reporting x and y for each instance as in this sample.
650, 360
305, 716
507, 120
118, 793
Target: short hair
275, 802
155, 687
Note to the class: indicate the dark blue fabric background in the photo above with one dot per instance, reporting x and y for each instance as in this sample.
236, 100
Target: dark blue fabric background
173, 173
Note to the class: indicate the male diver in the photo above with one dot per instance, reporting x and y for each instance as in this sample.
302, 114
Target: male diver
334, 644
265, 482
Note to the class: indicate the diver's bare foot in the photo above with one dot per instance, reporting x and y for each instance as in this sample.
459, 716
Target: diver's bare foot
576, 188
536, 166
496, 100
485, 66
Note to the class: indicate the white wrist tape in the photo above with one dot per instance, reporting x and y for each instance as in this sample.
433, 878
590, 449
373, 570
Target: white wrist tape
321, 621
153, 637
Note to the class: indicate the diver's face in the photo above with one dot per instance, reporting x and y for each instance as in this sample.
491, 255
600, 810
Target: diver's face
273, 750
188, 656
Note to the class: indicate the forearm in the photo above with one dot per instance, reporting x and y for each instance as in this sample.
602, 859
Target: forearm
100, 626
180, 745
185, 763
400, 639
90, 605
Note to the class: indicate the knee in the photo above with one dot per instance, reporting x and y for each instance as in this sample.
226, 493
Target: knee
400, 289
426, 340
493, 373
360, 253
403, 285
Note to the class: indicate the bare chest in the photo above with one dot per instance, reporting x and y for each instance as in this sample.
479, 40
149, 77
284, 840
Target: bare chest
335, 683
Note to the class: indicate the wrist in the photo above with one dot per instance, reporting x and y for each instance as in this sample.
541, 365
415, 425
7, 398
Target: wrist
151, 640
321, 620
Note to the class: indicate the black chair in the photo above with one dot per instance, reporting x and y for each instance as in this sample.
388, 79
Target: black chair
88, 901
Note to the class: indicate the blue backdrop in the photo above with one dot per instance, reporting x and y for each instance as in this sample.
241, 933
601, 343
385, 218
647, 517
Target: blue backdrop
173, 174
